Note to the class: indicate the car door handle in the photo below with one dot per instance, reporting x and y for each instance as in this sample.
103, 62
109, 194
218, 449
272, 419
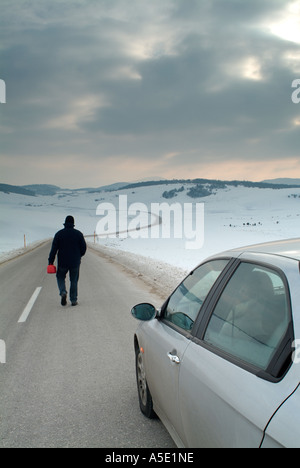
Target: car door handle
174, 358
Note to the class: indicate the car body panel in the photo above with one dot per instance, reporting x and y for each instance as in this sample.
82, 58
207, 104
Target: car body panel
283, 430
242, 403
289, 248
207, 400
157, 341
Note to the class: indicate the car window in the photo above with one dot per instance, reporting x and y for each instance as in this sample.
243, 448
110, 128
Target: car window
252, 315
184, 305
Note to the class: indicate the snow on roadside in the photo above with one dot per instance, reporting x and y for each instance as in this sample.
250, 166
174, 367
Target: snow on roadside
11, 254
162, 277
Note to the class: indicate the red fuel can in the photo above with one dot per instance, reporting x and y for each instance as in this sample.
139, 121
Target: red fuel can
51, 270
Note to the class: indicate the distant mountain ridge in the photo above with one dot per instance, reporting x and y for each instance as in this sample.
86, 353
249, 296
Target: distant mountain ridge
49, 190
281, 181
215, 183
42, 189
6, 188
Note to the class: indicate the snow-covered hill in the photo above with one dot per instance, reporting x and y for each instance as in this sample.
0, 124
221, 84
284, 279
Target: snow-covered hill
233, 217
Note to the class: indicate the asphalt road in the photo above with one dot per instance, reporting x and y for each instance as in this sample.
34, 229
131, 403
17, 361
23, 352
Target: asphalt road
69, 376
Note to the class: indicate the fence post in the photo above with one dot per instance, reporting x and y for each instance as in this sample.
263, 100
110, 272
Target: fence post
2, 352
24, 241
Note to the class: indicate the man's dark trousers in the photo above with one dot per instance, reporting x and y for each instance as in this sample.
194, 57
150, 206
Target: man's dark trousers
61, 281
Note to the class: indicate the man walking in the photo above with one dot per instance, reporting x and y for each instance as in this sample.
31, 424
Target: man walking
70, 246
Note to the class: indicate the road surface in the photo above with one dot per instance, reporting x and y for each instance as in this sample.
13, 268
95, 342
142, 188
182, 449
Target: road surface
69, 377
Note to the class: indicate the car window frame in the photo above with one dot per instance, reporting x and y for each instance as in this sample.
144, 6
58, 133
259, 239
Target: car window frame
190, 334
285, 348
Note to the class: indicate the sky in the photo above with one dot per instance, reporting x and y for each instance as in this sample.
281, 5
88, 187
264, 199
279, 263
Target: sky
104, 91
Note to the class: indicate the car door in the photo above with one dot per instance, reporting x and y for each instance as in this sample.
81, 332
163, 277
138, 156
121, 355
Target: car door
231, 382
166, 340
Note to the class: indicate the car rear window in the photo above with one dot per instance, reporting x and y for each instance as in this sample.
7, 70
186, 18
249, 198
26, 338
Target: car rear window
252, 315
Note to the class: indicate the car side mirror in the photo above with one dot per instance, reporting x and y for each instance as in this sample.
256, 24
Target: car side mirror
144, 312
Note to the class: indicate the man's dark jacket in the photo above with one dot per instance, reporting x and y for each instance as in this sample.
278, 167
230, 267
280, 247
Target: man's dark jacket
70, 245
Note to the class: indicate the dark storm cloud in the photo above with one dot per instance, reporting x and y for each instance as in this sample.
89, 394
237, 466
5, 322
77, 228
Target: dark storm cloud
110, 80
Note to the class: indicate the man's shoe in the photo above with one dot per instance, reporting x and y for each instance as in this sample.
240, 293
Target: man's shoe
74, 304
64, 300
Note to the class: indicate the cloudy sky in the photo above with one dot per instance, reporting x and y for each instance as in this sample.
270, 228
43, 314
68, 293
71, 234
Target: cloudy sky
100, 91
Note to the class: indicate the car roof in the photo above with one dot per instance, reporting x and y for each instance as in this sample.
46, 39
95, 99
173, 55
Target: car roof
289, 248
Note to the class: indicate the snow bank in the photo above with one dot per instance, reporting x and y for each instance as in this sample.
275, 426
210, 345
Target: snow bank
162, 277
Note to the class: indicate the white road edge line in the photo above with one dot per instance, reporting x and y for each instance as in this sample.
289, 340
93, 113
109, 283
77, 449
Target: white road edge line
29, 306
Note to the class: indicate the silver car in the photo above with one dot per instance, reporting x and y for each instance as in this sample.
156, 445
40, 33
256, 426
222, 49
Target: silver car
219, 362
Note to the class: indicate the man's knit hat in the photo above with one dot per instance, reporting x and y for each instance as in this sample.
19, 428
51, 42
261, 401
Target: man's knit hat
70, 221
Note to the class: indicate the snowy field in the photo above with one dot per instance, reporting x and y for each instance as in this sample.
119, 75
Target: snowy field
233, 217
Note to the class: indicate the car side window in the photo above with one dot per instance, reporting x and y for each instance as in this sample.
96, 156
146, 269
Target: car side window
184, 305
252, 315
